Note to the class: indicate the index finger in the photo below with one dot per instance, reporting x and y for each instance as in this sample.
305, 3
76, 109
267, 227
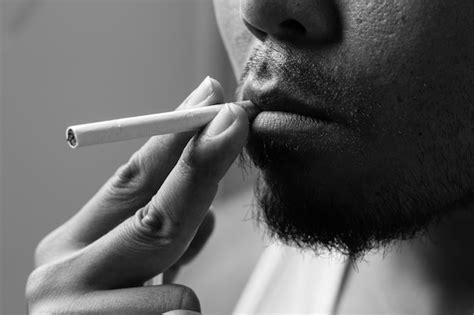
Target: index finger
138, 180
158, 234
130, 188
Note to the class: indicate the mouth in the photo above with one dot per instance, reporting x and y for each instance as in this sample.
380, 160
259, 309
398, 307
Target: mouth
302, 128
278, 102
286, 118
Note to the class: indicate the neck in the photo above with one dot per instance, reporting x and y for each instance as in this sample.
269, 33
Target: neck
443, 262
430, 275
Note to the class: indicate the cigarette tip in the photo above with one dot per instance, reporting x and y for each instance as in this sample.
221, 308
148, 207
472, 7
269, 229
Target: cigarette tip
71, 138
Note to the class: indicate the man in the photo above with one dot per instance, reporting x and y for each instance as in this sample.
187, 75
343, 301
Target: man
364, 141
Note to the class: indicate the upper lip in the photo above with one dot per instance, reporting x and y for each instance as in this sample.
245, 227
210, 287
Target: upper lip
280, 101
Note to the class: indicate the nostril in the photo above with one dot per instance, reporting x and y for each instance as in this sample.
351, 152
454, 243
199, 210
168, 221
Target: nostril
293, 26
261, 35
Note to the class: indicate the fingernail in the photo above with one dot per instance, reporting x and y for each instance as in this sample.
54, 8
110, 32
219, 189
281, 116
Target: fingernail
181, 312
221, 122
201, 92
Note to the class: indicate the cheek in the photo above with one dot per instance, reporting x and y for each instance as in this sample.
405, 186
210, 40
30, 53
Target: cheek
413, 64
383, 38
414, 54
237, 39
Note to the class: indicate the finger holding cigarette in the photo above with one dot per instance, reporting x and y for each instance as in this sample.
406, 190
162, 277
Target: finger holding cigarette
140, 223
151, 241
147, 125
137, 180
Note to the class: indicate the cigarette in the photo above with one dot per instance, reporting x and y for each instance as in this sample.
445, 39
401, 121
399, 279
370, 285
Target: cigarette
147, 125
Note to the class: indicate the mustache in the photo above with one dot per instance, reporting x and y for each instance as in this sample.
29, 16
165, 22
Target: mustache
297, 71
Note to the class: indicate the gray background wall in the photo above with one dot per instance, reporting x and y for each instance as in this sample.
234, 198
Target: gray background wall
71, 61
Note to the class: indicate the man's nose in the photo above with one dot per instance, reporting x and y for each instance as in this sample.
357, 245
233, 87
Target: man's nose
304, 21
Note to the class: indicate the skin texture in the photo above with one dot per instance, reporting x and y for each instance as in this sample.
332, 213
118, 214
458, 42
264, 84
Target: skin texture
151, 217
395, 79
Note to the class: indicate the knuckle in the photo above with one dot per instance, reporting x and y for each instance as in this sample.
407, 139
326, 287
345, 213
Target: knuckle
34, 285
41, 250
46, 247
57, 243
129, 175
160, 216
51, 285
41, 286
130, 180
152, 228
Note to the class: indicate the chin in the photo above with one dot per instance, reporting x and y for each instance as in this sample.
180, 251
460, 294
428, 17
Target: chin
318, 204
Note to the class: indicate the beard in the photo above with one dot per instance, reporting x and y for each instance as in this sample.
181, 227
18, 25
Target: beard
346, 209
303, 219
299, 213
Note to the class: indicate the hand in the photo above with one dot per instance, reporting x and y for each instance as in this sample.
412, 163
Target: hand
140, 223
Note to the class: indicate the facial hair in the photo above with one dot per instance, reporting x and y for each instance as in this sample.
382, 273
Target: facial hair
303, 213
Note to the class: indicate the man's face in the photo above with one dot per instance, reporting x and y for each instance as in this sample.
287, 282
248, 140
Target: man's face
368, 122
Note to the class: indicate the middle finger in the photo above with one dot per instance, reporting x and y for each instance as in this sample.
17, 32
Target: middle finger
132, 185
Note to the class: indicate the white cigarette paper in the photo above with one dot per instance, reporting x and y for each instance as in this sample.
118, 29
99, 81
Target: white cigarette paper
145, 126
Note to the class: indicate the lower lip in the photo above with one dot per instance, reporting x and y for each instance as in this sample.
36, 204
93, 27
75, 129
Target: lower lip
306, 133
288, 123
